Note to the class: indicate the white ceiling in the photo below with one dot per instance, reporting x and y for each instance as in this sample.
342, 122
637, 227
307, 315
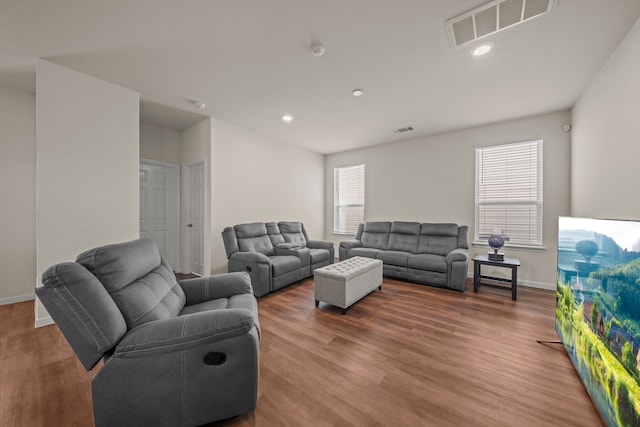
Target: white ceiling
250, 61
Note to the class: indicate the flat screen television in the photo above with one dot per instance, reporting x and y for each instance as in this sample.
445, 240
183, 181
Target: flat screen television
598, 311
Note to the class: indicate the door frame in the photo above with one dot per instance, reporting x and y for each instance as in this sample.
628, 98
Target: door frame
186, 200
173, 208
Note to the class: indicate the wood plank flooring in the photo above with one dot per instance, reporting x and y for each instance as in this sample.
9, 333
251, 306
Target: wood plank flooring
408, 355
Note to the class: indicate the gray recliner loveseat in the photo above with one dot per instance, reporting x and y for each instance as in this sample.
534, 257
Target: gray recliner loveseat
175, 354
432, 254
274, 254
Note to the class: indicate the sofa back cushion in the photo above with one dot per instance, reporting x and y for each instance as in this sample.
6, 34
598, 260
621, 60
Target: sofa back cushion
463, 236
140, 282
274, 233
439, 239
254, 238
375, 234
292, 232
404, 236
230, 241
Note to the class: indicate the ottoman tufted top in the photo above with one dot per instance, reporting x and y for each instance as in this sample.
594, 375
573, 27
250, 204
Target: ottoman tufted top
349, 268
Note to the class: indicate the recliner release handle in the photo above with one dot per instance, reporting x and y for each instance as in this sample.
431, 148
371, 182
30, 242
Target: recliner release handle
215, 358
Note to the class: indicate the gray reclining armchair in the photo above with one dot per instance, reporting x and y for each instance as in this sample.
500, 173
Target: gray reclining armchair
275, 255
175, 354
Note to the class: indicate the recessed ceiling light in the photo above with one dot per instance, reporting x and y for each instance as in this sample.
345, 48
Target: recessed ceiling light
357, 92
483, 49
287, 118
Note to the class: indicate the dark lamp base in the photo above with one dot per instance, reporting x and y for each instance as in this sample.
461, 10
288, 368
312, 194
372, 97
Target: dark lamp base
496, 256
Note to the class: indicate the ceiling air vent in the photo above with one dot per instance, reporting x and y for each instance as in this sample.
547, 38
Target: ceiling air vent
493, 17
404, 129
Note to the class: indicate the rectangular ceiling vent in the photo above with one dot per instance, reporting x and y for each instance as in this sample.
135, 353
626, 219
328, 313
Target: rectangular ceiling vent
404, 129
493, 17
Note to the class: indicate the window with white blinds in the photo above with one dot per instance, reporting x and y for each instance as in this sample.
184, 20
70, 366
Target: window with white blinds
509, 192
348, 199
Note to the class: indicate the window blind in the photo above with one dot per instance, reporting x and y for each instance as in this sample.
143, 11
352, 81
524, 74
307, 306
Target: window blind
349, 199
509, 192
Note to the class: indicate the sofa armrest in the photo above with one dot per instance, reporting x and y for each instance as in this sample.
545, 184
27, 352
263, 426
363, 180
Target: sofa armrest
287, 246
319, 244
346, 246
250, 257
301, 253
185, 332
350, 244
225, 285
297, 252
257, 265
459, 254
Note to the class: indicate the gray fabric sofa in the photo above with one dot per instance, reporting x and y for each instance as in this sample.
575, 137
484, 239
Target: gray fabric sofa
274, 254
432, 254
175, 354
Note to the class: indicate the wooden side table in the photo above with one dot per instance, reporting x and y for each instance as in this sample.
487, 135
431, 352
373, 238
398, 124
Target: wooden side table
512, 263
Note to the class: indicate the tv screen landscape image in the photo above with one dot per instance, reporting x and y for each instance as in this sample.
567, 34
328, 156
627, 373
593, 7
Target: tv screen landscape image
598, 311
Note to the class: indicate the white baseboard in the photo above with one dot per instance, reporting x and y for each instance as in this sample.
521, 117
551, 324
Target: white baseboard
529, 283
18, 298
539, 285
44, 321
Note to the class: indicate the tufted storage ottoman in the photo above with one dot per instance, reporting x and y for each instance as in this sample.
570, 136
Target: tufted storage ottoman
346, 282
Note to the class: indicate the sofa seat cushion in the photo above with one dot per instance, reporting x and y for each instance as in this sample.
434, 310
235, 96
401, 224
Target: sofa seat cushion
428, 262
365, 252
283, 264
319, 255
398, 258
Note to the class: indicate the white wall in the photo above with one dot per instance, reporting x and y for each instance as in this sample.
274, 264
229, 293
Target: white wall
18, 195
431, 179
605, 180
196, 147
87, 165
255, 178
251, 178
159, 144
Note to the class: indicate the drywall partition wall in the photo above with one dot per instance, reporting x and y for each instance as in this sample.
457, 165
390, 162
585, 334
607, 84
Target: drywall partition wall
18, 195
257, 178
196, 147
605, 142
159, 144
431, 179
87, 165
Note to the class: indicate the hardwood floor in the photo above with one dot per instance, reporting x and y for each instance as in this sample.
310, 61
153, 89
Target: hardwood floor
408, 355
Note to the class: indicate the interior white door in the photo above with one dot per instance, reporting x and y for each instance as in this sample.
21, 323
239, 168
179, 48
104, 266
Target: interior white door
195, 218
160, 208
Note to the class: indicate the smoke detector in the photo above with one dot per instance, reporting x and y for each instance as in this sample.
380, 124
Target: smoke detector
317, 49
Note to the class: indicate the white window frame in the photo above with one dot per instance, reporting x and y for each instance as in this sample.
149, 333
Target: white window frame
502, 162
339, 228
